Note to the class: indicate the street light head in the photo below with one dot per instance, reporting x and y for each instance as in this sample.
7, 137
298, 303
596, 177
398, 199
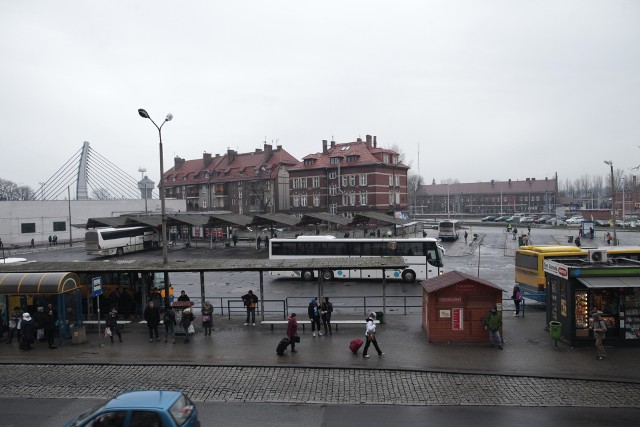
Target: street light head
608, 162
143, 113
169, 117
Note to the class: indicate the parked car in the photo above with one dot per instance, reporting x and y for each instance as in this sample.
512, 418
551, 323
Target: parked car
489, 218
502, 218
142, 408
513, 218
556, 221
543, 219
577, 219
601, 223
526, 219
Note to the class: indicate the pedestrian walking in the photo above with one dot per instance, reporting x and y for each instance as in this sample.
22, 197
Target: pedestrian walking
250, 302
169, 320
292, 331
40, 321
33, 244
599, 332
326, 308
515, 233
152, 316
258, 242
314, 315
492, 324
608, 238
577, 241
592, 233
55, 240
516, 296
266, 242
466, 236
529, 229
28, 328
207, 317
187, 324
370, 333
50, 327
111, 322
235, 239
183, 296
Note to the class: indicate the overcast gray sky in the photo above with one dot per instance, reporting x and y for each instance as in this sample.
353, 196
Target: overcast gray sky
486, 89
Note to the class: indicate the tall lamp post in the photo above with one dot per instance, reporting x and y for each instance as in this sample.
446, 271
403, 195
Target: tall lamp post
165, 257
613, 204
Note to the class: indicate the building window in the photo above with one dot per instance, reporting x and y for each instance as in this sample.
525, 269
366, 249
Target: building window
390, 180
316, 182
59, 226
204, 203
333, 190
334, 160
239, 194
397, 180
390, 197
364, 198
385, 158
345, 181
352, 198
332, 175
28, 227
352, 159
352, 180
303, 200
345, 199
308, 162
333, 208
316, 200
395, 160
296, 201
363, 180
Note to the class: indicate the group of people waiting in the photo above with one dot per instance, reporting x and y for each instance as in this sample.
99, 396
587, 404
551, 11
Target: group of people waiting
28, 330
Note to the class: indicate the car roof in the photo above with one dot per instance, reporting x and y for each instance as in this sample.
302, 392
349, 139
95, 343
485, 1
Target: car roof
158, 399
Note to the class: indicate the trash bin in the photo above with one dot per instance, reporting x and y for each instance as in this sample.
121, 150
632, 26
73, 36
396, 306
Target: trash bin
227, 244
380, 317
520, 241
78, 334
570, 239
555, 331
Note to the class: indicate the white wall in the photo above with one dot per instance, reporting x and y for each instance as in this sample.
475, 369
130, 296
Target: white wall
45, 213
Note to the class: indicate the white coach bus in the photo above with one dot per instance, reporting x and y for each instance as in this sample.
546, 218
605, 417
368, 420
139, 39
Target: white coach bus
118, 241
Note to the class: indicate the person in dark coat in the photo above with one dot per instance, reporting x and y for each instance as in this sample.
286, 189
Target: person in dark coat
28, 329
250, 301
40, 322
314, 315
50, 326
152, 316
292, 331
111, 322
183, 296
326, 308
186, 321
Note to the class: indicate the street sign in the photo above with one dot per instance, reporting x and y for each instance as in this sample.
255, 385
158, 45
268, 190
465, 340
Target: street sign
96, 285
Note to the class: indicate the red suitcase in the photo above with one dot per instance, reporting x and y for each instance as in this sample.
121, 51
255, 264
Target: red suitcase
355, 345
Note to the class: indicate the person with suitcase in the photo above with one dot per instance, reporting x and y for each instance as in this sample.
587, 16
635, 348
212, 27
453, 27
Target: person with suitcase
282, 346
370, 332
292, 331
355, 345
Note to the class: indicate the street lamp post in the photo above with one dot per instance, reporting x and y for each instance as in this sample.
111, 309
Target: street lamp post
624, 184
613, 204
165, 257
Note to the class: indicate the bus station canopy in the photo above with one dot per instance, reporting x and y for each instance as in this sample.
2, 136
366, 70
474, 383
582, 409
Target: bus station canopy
38, 282
314, 218
365, 217
392, 262
228, 220
112, 221
275, 218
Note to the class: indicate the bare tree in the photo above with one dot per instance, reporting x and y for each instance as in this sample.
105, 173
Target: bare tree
11, 191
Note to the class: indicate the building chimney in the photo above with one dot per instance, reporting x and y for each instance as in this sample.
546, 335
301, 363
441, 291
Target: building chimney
509, 181
324, 146
333, 144
359, 139
206, 159
368, 141
375, 141
278, 147
177, 162
231, 156
268, 149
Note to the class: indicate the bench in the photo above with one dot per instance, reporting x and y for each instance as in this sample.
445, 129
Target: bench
122, 323
335, 322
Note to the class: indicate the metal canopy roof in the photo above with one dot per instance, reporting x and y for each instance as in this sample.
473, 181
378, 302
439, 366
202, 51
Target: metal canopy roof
364, 217
190, 219
38, 283
277, 218
207, 265
114, 221
317, 217
610, 282
228, 219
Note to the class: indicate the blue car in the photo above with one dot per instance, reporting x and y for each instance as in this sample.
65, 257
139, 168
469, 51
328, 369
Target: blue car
151, 408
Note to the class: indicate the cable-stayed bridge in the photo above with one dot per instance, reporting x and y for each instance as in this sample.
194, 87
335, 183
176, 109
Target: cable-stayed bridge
90, 176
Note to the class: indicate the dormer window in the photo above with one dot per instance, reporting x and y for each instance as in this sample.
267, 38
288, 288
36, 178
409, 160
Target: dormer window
335, 160
352, 159
308, 162
385, 158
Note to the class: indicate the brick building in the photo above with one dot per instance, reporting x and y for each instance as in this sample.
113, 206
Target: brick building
245, 183
348, 178
530, 195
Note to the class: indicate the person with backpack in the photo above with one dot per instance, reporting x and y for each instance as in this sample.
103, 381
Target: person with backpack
250, 301
599, 332
517, 299
326, 308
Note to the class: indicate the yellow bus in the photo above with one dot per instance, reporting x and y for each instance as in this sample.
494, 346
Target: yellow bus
529, 271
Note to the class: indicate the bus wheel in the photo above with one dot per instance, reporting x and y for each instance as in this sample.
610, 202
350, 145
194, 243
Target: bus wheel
409, 276
307, 275
119, 252
327, 275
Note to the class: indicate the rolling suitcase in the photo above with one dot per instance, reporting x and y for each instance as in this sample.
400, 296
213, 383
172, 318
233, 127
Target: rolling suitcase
282, 346
355, 345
